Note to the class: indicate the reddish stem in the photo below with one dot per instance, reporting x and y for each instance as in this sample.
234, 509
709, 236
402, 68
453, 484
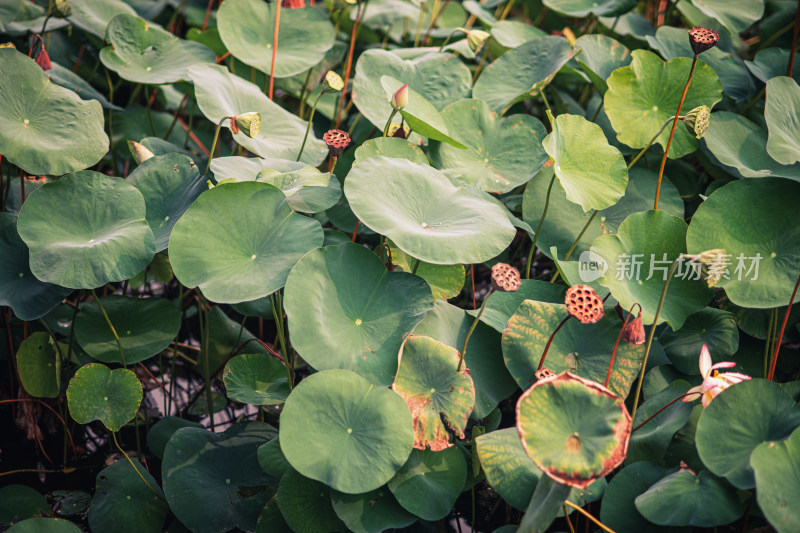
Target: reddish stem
550, 341
193, 136
208, 13
672, 133
783, 328
78, 60
472, 279
22, 186
274, 46
353, 35
20, 400
355, 231
659, 411
616, 344
159, 383
794, 41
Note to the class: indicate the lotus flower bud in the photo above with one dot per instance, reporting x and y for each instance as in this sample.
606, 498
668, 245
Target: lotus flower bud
337, 141
400, 98
697, 120
333, 82
633, 332
61, 9
505, 277
476, 38
584, 304
702, 39
139, 152
249, 123
43, 60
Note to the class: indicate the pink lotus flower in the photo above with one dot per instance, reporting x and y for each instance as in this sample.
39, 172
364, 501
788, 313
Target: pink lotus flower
713, 381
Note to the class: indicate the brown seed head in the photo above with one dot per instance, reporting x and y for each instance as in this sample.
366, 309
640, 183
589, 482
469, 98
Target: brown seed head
544, 373
293, 4
697, 120
505, 277
634, 331
337, 141
702, 39
584, 304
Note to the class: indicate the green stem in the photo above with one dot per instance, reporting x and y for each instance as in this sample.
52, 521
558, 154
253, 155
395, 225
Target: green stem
150, 113
389, 123
538, 228
302, 108
277, 312
651, 335
111, 326
447, 40
653, 140
574, 244
771, 327
422, 11
597, 112
471, 329
204, 337
416, 266
214, 143
114, 438
546, 103
308, 128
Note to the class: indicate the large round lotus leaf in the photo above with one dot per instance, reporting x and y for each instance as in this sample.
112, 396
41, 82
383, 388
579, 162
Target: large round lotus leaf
424, 214
738, 420
221, 471
618, 510
639, 258
390, 147
169, 184
430, 482
687, 499
144, 53
753, 221
674, 42
770, 63
239, 241
439, 78
650, 442
220, 93
47, 129
511, 34
583, 349
159, 433
522, 72
582, 8
346, 310
256, 379
778, 481
574, 429
338, 428
783, 101
247, 29
38, 366
600, 56
93, 16
271, 458
45, 525
19, 288
435, 391
713, 327
85, 230
122, 502
306, 504
445, 281
500, 306
502, 152
145, 326
592, 172
18, 502
565, 220
448, 324
644, 95
508, 468
96, 392
371, 512
736, 17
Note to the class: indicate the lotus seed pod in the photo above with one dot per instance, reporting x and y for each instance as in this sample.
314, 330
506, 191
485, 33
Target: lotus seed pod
702, 39
697, 120
249, 123
62, 9
139, 152
505, 277
337, 141
584, 304
476, 38
544, 373
400, 98
633, 333
333, 82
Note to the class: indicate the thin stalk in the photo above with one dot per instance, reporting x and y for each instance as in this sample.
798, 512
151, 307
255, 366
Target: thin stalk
434, 19
355, 231
783, 328
36, 400
660, 411
301, 109
202, 316
416, 266
418, 34
208, 13
507, 10
150, 115
389, 123
574, 244
550, 341
772, 326
672, 133
214, 144
653, 140
471, 329
274, 47
538, 228
111, 327
597, 111
589, 516
308, 128
277, 312
479, 68
184, 100
110, 119
651, 335
114, 438
447, 39
546, 103
794, 41
616, 344
362, 7
472, 282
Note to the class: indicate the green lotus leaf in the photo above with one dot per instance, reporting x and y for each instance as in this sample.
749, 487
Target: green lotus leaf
220, 93
752, 220
338, 428
512, 33
735, 17
123, 502
445, 281
346, 311
502, 152
600, 56
783, 100
500, 305
159, 433
777, 480
738, 420
713, 327
47, 129
674, 42
430, 482
238, 168
644, 95
688, 499
246, 254
546, 503
297, 495
19, 288
583, 349
144, 53
390, 147
225, 336
271, 458
592, 172
94, 17
85, 230
39, 366
17, 10
424, 214
619, 511
441, 79
66, 78
98, 393
522, 72
371, 512
255, 379
574, 429
437, 393
307, 189
650, 442
18, 502
770, 63
145, 326
169, 184
220, 470
639, 258
44, 525
247, 29
582, 8
508, 468
449, 325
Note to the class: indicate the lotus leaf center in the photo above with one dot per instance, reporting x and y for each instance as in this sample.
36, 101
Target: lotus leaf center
573, 444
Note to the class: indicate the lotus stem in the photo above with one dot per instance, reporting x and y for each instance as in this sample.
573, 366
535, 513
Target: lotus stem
114, 438
616, 344
205, 333
507, 10
111, 327
362, 7
599, 524
436, 14
538, 228
447, 40
422, 11
355, 231
308, 128
471, 329
574, 244
794, 42
205, 19
415, 267
653, 140
275, 31
550, 341
472, 282
277, 312
672, 134
783, 328
389, 123
214, 144
660, 411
